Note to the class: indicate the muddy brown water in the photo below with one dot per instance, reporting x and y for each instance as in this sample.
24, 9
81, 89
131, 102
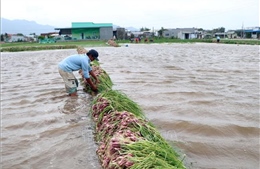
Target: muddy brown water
203, 98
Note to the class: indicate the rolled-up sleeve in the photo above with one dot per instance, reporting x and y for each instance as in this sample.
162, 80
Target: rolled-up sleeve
86, 68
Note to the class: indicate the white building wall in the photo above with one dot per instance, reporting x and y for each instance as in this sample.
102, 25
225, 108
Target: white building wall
15, 38
193, 36
180, 35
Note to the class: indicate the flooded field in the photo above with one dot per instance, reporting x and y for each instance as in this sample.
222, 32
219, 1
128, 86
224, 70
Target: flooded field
203, 98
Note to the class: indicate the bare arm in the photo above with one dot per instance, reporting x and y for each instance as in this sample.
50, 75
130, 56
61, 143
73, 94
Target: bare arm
94, 76
92, 85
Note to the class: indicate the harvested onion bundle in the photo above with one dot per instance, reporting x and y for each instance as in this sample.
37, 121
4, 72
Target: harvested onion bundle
119, 102
105, 82
111, 42
128, 140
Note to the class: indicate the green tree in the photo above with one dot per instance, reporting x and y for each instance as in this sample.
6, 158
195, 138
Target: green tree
41, 37
2, 37
144, 29
160, 32
218, 30
239, 32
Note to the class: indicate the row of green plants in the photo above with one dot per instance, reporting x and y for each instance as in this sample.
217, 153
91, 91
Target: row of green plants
240, 41
223, 41
33, 46
36, 48
125, 137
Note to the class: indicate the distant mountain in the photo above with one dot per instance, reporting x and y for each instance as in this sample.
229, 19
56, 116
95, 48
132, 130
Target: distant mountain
132, 29
27, 27
24, 26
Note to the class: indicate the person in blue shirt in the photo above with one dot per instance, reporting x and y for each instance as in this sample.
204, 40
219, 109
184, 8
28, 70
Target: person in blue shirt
218, 39
74, 63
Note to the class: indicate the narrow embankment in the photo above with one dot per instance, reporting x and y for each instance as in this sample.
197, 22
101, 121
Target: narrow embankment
125, 138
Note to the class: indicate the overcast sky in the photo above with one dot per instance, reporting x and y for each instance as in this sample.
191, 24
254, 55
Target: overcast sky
206, 14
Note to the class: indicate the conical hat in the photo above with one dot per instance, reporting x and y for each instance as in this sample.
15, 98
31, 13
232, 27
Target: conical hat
81, 50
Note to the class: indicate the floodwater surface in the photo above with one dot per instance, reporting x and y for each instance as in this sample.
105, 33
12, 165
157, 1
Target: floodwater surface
203, 98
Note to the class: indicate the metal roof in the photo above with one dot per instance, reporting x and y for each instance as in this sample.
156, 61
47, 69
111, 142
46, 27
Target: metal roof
252, 30
90, 25
77, 25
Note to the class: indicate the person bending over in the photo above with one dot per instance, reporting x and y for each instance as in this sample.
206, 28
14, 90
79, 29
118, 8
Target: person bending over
75, 63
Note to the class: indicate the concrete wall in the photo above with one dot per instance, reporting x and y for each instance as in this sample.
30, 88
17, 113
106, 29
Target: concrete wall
120, 33
106, 33
170, 33
15, 38
85, 33
181, 33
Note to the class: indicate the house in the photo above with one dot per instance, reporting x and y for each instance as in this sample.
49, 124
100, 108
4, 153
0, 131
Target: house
137, 34
181, 33
229, 34
119, 33
253, 32
15, 38
31, 38
52, 34
148, 34
220, 34
88, 30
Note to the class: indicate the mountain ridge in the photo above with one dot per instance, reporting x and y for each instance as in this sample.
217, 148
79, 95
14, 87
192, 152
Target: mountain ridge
26, 27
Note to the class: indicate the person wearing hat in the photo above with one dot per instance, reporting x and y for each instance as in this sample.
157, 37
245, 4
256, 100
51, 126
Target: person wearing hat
75, 63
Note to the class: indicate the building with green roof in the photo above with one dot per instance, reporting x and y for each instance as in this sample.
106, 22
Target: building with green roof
88, 31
